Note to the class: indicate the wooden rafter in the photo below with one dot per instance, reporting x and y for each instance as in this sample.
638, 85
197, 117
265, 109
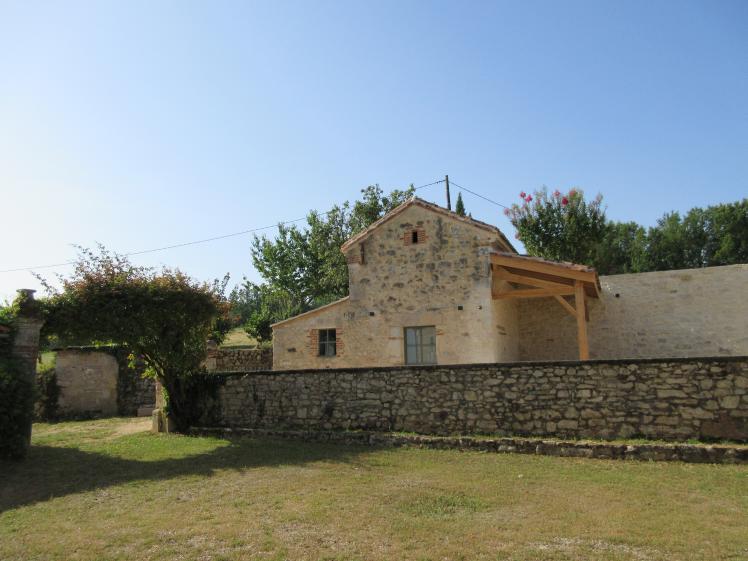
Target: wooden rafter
542, 267
568, 307
513, 274
502, 273
534, 293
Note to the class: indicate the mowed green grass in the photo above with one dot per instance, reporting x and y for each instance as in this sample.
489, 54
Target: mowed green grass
238, 338
111, 490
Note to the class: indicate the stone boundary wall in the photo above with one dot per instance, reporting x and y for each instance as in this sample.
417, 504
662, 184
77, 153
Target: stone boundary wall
233, 360
674, 399
680, 313
691, 453
97, 381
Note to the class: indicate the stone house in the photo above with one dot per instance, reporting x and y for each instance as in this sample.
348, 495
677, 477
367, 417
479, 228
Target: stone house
428, 286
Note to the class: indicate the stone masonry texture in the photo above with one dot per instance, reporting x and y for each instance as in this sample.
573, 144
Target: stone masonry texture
232, 360
98, 382
673, 399
445, 279
691, 312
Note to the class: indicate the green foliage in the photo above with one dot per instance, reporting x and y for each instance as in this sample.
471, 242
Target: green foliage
7, 329
564, 227
47, 391
244, 300
561, 227
623, 249
275, 305
304, 268
715, 235
460, 206
163, 316
16, 410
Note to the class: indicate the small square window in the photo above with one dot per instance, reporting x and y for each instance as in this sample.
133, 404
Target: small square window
327, 339
414, 236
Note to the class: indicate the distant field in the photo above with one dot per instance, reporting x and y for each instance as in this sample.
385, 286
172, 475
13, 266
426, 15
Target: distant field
237, 337
111, 490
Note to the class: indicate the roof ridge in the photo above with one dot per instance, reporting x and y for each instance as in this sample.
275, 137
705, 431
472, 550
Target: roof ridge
414, 200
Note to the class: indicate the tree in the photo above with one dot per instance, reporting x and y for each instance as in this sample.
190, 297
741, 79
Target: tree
162, 316
304, 268
244, 300
460, 206
561, 227
715, 235
623, 249
275, 305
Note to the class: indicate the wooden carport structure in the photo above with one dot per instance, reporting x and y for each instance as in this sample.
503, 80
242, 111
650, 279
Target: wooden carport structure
518, 276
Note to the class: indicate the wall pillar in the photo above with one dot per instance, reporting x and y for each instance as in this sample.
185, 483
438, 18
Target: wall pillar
25, 347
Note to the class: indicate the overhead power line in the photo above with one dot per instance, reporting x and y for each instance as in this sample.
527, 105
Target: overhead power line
185, 244
477, 194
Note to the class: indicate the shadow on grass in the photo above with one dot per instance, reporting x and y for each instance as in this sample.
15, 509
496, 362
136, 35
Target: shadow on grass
51, 471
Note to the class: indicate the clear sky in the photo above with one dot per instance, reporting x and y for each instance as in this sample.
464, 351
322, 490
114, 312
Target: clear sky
142, 124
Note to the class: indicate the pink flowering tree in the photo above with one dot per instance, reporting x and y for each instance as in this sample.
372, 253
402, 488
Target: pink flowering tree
559, 226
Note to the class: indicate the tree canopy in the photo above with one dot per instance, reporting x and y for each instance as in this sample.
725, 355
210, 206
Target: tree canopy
303, 268
162, 316
559, 226
565, 227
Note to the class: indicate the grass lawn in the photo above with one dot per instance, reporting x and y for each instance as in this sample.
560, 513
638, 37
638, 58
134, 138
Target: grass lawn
111, 490
238, 338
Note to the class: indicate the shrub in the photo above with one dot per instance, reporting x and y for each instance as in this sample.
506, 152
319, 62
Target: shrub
16, 406
162, 316
47, 392
559, 226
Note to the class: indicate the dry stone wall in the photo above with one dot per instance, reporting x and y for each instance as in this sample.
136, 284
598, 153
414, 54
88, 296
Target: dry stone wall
232, 360
674, 399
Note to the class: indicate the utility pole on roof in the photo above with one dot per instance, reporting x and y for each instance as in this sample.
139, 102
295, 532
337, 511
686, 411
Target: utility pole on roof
449, 202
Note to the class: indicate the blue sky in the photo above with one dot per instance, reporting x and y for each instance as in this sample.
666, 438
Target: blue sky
145, 124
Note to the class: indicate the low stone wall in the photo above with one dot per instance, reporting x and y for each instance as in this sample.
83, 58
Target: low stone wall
233, 360
96, 381
642, 451
676, 399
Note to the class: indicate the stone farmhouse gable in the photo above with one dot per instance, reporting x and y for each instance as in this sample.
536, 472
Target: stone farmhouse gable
419, 283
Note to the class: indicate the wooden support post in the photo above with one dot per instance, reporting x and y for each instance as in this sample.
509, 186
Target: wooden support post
579, 300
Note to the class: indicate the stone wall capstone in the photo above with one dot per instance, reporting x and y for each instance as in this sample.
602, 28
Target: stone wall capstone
672, 399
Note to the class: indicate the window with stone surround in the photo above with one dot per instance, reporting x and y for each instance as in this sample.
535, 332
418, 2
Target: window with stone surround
420, 345
327, 342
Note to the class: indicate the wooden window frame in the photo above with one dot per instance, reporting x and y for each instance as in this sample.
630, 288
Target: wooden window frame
419, 346
327, 340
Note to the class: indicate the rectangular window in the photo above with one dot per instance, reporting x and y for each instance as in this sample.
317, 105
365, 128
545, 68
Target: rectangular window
327, 339
420, 345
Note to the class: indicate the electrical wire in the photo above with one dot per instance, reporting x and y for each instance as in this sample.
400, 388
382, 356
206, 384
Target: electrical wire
195, 242
477, 194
